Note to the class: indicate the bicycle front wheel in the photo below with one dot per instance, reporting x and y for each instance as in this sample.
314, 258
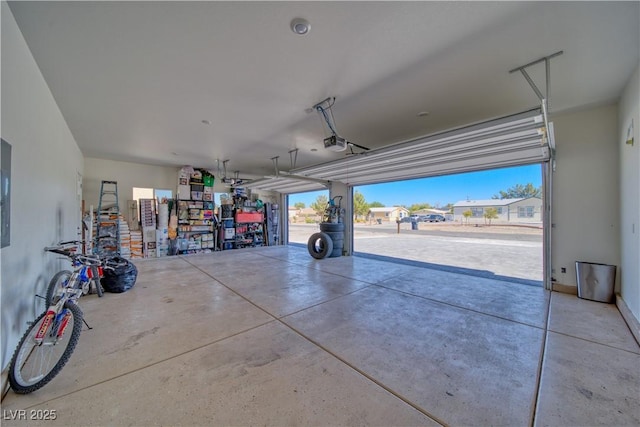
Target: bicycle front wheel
56, 286
99, 288
37, 361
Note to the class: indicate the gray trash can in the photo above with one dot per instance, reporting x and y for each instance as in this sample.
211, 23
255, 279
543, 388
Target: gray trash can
414, 225
596, 282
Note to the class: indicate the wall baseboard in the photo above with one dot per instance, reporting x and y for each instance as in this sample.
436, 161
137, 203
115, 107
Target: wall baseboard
627, 315
565, 289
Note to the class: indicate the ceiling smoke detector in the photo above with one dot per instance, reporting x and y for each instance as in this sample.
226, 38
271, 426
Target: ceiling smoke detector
300, 26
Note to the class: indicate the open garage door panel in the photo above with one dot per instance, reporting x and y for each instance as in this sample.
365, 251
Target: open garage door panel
286, 185
509, 141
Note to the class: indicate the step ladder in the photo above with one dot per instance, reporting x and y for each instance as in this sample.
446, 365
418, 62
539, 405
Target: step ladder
107, 238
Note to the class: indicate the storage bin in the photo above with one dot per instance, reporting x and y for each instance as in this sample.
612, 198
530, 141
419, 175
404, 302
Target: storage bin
249, 217
596, 282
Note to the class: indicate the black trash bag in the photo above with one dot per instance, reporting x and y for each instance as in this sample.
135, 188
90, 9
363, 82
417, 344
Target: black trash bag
120, 277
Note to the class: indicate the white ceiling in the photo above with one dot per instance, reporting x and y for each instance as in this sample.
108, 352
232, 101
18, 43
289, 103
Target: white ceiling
135, 80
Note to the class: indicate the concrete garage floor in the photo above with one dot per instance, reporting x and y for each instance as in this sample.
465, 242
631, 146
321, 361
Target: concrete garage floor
271, 336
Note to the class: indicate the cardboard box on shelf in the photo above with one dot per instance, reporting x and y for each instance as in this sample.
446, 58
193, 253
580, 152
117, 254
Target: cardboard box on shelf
149, 234
185, 172
229, 233
150, 250
162, 250
162, 237
184, 192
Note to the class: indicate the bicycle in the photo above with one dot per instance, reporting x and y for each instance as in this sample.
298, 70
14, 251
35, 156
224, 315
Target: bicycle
88, 270
48, 343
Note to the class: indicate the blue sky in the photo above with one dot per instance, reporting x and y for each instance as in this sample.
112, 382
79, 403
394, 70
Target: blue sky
441, 190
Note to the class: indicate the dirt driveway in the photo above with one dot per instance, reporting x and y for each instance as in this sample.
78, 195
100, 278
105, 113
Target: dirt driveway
496, 250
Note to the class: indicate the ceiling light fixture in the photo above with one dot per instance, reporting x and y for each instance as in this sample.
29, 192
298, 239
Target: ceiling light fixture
206, 122
300, 26
423, 114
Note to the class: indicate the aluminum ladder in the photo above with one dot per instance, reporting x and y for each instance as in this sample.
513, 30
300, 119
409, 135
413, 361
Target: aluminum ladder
107, 237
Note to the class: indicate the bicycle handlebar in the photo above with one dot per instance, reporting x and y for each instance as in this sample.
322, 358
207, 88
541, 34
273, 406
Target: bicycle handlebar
64, 247
108, 262
75, 242
71, 254
66, 253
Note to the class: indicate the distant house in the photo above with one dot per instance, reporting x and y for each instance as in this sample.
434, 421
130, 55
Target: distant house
390, 214
522, 210
303, 215
293, 211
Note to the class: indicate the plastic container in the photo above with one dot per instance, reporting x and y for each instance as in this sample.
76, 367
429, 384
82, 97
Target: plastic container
248, 217
596, 282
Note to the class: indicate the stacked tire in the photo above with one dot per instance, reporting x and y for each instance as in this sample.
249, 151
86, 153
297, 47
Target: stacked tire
329, 242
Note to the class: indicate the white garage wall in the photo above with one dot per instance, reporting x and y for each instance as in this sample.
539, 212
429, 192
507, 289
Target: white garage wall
585, 194
128, 175
630, 195
45, 161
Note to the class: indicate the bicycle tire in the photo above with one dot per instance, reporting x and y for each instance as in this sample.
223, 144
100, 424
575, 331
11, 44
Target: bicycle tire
56, 286
99, 288
28, 353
